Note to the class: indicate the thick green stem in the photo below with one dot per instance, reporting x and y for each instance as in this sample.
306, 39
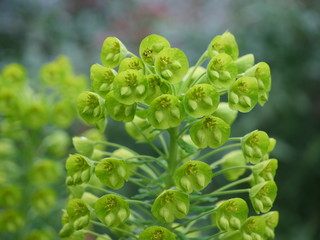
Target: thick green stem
173, 160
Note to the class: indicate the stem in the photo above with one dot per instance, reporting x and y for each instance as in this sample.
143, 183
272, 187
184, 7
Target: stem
194, 219
138, 202
215, 193
219, 150
234, 184
214, 236
231, 168
173, 156
199, 229
95, 234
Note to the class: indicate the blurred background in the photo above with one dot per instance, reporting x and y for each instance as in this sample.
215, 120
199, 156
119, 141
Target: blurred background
285, 34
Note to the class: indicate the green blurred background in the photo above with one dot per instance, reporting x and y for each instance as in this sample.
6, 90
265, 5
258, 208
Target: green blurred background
283, 33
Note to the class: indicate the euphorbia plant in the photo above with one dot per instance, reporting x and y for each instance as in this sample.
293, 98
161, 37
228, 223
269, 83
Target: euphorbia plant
178, 111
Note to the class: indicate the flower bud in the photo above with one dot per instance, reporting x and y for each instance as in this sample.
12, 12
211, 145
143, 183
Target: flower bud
225, 113
231, 214
201, 100
225, 43
112, 210
112, 52
133, 63
90, 107
210, 131
130, 87
140, 128
171, 64
151, 46
253, 228
156, 232
193, 175
157, 87
263, 195
233, 159
102, 79
112, 172
222, 71
255, 146
244, 63
83, 145
165, 111
169, 205
119, 111
78, 169
265, 171
272, 220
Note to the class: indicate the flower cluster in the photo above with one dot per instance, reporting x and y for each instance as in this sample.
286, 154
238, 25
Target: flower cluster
178, 110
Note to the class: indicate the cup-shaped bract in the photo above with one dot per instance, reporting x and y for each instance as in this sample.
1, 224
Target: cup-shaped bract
225, 43
78, 212
119, 111
101, 79
231, 214
35, 115
243, 94
169, 205
265, 170
43, 199
192, 175
150, 47
83, 145
201, 100
79, 171
13, 75
222, 71
57, 143
112, 172
272, 220
255, 146
261, 71
171, 64
112, 210
165, 111
156, 233
210, 131
253, 228
157, 87
263, 195
10, 195
112, 52
11, 220
140, 128
225, 113
130, 86
67, 226
90, 107
133, 63
63, 113
244, 63
233, 159
43, 172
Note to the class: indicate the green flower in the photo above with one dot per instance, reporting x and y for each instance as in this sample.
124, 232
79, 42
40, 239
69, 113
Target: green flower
130, 86
255, 146
263, 195
272, 220
201, 100
11, 220
112, 52
169, 205
243, 94
231, 214
112, 172
78, 212
171, 64
244, 63
156, 233
10, 195
43, 199
265, 170
157, 87
165, 111
132, 63
44, 171
151, 46
210, 131
225, 43
253, 228
13, 76
222, 71
119, 111
225, 113
193, 175
79, 171
102, 79
112, 210
140, 128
